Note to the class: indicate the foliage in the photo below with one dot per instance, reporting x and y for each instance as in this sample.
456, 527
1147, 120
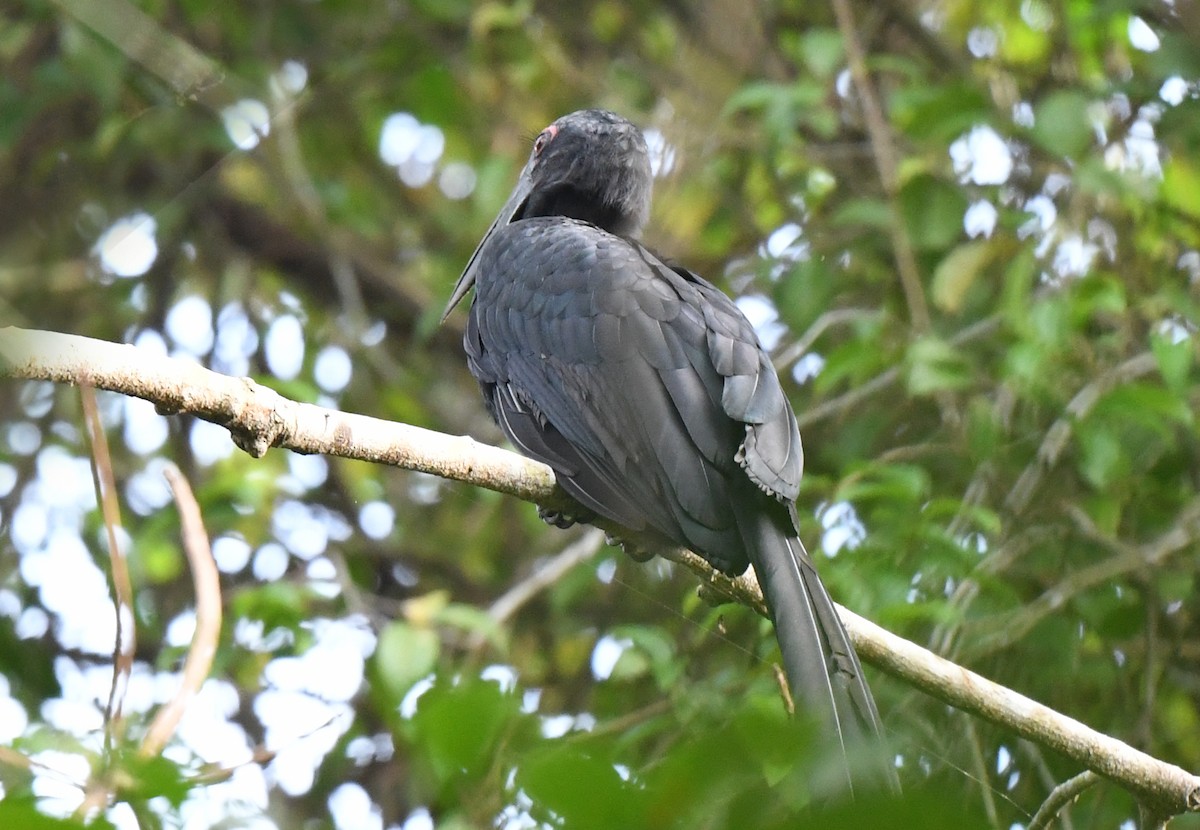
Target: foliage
1013, 483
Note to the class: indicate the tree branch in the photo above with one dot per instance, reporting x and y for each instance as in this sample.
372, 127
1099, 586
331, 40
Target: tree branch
106, 494
546, 575
260, 418
1063, 794
207, 584
1060, 431
190, 73
1126, 559
863, 391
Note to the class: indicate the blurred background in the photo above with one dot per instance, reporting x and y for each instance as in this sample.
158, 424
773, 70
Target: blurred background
969, 234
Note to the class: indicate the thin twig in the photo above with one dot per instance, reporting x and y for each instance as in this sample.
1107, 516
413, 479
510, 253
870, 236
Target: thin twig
1038, 758
1127, 559
1151, 673
207, 584
1060, 431
947, 641
549, 573
885, 163
106, 493
621, 725
1060, 796
11, 758
785, 691
886, 378
981, 774
215, 773
825, 321
855, 396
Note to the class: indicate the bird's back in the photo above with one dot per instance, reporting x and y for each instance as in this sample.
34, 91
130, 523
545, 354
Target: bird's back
642, 385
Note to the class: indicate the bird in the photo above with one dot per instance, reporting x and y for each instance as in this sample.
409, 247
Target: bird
647, 391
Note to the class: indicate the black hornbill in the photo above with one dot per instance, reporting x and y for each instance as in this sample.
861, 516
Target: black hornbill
648, 393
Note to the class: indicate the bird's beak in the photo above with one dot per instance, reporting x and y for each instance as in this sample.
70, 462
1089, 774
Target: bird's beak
514, 205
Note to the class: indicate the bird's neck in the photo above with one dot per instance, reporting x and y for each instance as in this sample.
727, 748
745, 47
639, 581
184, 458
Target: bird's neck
564, 200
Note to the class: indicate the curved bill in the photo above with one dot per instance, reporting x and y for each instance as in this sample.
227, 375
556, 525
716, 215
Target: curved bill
514, 206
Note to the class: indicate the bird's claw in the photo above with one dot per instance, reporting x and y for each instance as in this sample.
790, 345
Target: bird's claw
559, 518
632, 550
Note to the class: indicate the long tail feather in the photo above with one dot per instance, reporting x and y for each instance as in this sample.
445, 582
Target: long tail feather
821, 666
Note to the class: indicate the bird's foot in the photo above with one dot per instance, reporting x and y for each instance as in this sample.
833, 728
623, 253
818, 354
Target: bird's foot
561, 518
631, 548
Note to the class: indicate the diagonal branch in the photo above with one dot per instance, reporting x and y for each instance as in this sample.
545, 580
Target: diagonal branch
260, 418
861, 392
546, 575
1126, 559
1055, 442
189, 73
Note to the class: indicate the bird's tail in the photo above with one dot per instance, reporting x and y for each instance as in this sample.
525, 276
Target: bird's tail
823, 671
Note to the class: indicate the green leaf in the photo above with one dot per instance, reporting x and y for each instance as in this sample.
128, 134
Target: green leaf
652, 649
405, 654
754, 96
1174, 585
488, 17
1104, 509
160, 560
1145, 404
940, 111
869, 213
1174, 359
1061, 123
758, 727
887, 482
933, 212
852, 361
956, 273
579, 789
24, 815
472, 620
805, 292
1100, 456
458, 724
1050, 322
822, 51
784, 106
276, 604
982, 428
1019, 280
1025, 362
146, 778
1095, 295
934, 365
1109, 615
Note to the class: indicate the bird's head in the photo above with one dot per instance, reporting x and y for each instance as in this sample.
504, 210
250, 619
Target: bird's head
591, 165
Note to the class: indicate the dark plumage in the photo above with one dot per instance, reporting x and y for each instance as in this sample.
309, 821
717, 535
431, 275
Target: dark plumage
648, 393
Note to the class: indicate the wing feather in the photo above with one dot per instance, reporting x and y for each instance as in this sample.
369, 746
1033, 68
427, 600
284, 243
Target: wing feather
650, 385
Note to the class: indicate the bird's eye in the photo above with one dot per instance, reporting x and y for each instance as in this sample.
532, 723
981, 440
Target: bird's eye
543, 139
